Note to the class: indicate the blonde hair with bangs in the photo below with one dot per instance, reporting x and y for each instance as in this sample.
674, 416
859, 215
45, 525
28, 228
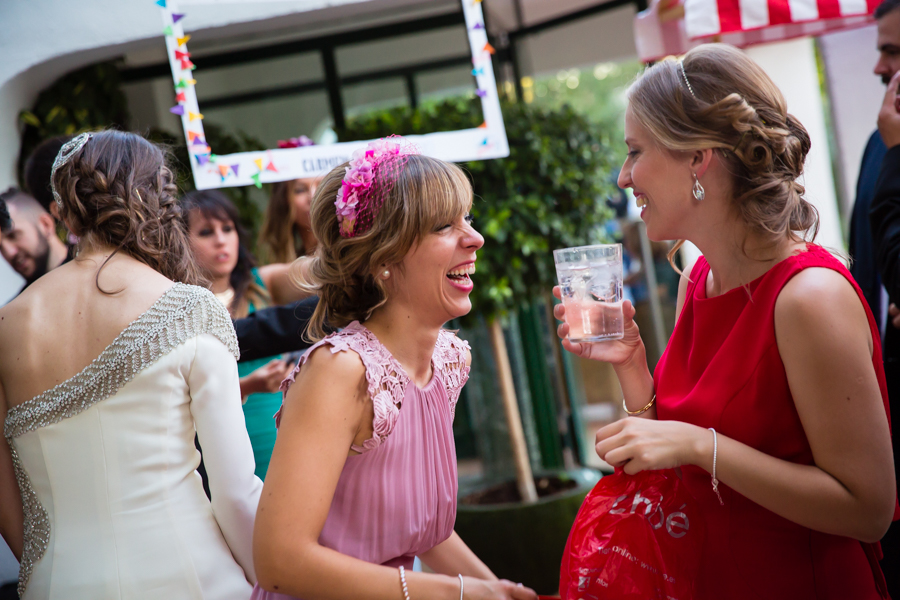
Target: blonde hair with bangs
428, 194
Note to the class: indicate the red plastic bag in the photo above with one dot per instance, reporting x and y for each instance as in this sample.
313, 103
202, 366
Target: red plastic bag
637, 536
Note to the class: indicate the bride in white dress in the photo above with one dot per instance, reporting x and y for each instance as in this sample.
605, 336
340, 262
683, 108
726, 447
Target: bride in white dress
109, 364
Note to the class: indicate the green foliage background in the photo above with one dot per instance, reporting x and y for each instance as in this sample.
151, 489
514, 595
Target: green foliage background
549, 193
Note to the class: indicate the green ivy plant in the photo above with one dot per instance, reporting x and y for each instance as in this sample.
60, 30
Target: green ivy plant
89, 98
550, 192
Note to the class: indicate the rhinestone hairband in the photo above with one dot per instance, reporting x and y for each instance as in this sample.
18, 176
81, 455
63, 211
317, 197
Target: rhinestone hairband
683, 74
68, 150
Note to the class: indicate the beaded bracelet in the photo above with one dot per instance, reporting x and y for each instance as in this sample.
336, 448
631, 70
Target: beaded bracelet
403, 583
715, 481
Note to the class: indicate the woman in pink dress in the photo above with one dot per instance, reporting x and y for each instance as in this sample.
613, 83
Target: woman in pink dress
363, 475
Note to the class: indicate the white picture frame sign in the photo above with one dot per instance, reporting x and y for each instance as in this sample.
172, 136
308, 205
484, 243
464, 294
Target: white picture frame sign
212, 171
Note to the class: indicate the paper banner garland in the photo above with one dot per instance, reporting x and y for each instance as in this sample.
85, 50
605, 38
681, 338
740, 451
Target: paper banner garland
177, 110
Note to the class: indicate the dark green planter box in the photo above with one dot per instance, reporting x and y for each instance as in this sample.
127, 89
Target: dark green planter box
524, 542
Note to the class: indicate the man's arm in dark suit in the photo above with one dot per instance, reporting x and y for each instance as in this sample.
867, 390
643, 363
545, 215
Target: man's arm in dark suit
884, 218
275, 330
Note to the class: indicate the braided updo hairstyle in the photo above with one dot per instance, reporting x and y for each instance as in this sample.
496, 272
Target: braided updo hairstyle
427, 194
118, 191
736, 109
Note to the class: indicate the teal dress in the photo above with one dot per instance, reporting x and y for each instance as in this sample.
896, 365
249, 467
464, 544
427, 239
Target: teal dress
260, 409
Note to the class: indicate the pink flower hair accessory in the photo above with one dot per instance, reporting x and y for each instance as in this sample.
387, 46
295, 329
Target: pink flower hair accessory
368, 180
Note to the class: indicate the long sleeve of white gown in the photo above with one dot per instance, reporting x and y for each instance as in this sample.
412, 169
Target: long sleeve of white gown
227, 453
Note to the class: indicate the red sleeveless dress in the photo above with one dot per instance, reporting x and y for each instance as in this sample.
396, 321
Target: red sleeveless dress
722, 369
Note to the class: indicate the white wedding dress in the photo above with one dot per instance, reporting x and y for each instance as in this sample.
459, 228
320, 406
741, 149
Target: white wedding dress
114, 507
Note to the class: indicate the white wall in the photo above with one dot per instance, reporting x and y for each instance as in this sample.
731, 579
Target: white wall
856, 94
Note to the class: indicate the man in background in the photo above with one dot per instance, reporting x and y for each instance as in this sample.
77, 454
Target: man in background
38, 168
5, 220
31, 246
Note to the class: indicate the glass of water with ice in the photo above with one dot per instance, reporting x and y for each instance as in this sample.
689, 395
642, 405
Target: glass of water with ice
590, 279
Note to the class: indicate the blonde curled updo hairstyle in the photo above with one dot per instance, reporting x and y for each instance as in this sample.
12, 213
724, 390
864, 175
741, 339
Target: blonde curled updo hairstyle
736, 109
428, 194
118, 191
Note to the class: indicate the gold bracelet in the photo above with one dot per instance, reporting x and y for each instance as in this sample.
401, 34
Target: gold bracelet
642, 410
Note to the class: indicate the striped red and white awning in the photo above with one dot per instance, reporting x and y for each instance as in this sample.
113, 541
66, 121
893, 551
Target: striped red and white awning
669, 27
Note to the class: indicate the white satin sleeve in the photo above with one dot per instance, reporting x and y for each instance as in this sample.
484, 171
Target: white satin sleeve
216, 407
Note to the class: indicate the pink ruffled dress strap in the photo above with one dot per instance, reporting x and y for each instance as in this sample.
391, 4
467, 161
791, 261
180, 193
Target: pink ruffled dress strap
387, 381
449, 359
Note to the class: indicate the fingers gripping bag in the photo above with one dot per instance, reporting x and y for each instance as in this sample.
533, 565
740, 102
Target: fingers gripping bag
636, 536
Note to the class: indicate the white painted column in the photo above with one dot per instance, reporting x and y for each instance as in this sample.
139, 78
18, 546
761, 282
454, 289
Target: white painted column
792, 66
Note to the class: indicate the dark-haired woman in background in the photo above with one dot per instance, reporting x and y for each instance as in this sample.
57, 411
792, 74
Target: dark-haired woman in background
219, 243
109, 364
286, 232
770, 395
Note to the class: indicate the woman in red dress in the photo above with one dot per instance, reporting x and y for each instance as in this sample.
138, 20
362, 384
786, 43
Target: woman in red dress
774, 349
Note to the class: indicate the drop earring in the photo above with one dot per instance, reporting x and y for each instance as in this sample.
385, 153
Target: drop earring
699, 192
385, 274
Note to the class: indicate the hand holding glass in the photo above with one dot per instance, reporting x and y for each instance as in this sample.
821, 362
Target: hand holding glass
590, 280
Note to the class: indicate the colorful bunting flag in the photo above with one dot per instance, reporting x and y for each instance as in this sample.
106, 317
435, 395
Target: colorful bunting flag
178, 109
258, 163
223, 170
271, 167
176, 17
198, 141
168, 30
235, 169
161, 3
202, 159
483, 125
474, 2
183, 40
256, 181
182, 83
180, 97
488, 48
478, 71
478, 26
187, 65
179, 55
194, 116
212, 157
484, 142
481, 93
192, 135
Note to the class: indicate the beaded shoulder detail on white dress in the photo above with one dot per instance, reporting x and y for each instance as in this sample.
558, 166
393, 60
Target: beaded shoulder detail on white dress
181, 313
